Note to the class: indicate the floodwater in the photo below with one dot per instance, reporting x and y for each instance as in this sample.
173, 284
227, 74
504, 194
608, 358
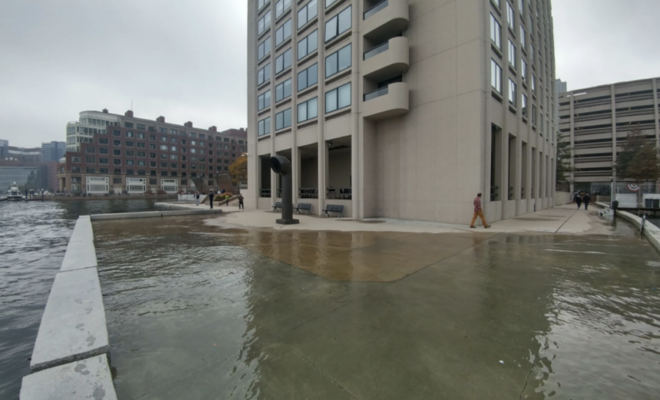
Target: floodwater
32, 244
204, 312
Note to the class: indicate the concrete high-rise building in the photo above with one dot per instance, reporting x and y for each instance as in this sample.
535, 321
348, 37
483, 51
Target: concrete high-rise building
596, 120
561, 86
126, 154
403, 108
52, 151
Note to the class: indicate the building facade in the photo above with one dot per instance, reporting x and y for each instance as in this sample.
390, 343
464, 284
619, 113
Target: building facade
52, 151
403, 108
597, 120
125, 154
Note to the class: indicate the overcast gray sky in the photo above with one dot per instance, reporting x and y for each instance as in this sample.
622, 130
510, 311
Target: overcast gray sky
187, 60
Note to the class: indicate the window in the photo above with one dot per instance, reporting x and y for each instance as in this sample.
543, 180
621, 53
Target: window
130, 153
141, 145
90, 149
103, 161
140, 135
512, 53
533, 84
283, 90
328, 3
263, 49
497, 3
283, 61
308, 44
90, 170
513, 93
510, 16
116, 152
163, 138
103, 150
128, 124
524, 105
521, 9
264, 100
90, 160
283, 33
308, 77
141, 154
103, 141
130, 134
338, 61
260, 5
283, 119
307, 13
523, 38
130, 143
338, 24
531, 53
263, 24
116, 142
264, 127
116, 133
263, 75
116, 162
141, 172
130, 162
152, 137
164, 156
523, 69
281, 6
75, 170
164, 147
338, 98
152, 146
496, 76
308, 110
533, 114
495, 32
103, 170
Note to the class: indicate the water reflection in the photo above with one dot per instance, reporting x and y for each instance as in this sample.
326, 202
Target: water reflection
196, 311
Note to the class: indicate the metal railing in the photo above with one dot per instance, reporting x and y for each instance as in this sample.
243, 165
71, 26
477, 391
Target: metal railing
373, 10
376, 93
376, 50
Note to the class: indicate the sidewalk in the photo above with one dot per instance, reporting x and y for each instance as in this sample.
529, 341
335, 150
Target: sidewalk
564, 220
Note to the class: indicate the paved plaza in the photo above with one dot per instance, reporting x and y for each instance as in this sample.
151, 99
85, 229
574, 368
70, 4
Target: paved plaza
556, 304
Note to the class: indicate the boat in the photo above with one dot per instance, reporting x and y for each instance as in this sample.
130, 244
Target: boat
13, 194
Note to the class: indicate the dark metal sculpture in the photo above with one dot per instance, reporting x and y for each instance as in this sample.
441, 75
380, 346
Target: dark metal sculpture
281, 165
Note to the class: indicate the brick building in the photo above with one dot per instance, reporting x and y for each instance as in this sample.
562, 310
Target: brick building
124, 154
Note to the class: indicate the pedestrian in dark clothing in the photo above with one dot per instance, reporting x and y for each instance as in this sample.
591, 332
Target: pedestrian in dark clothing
211, 200
586, 200
240, 202
227, 199
578, 200
197, 198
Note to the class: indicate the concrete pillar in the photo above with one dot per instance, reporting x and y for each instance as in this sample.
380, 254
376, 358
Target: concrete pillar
322, 149
357, 145
572, 138
614, 138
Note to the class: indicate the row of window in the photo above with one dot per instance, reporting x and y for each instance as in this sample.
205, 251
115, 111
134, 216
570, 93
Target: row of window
173, 157
141, 135
334, 27
143, 163
164, 147
116, 171
496, 82
335, 99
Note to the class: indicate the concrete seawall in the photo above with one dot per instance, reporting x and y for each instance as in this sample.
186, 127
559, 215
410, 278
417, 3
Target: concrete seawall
70, 356
651, 232
154, 214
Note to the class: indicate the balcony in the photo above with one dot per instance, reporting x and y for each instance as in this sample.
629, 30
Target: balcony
385, 19
389, 59
386, 102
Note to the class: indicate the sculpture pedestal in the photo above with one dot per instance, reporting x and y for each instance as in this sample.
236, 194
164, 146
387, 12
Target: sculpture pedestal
287, 221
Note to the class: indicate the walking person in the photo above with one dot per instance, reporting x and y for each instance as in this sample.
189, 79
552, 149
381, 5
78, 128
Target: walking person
586, 199
578, 200
197, 197
478, 212
211, 199
227, 200
240, 202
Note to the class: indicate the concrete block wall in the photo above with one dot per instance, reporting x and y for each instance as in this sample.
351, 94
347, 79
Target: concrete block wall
69, 360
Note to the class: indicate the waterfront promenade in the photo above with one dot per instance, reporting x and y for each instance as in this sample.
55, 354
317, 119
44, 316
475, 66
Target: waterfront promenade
554, 304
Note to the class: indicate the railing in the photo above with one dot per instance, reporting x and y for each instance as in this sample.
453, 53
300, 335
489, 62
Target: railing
377, 50
376, 93
373, 10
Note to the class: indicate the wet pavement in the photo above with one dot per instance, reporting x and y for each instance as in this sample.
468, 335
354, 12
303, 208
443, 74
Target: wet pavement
205, 312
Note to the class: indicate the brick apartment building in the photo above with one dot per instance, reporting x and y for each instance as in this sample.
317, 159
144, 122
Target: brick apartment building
123, 154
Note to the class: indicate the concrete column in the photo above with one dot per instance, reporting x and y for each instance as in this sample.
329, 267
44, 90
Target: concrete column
295, 157
572, 138
274, 181
357, 145
614, 138
322, 149
657, 113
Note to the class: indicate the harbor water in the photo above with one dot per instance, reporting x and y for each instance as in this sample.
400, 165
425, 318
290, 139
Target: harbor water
33, 240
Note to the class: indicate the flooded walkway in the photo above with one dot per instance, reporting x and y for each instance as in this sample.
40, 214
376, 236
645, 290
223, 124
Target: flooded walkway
199, 311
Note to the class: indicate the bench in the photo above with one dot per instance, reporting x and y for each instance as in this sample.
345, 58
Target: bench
277, 205
334, 208
304, 207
